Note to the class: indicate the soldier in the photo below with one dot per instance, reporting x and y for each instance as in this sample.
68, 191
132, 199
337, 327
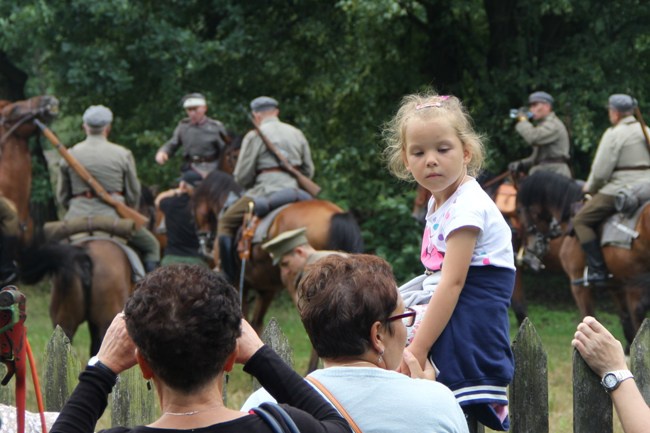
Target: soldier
203, 139
113, 167
10, 232
549, 138
258, 170
292, 252
622, 159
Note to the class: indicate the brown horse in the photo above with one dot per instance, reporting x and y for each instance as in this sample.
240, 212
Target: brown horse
16, 127
90, 282
546, 200
328, 227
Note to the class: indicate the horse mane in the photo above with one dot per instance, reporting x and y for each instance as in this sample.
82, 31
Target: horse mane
66, 261
345, 234
550, 191
216, 187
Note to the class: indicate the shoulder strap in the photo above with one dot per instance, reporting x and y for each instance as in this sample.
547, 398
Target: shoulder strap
335, 402
270, 412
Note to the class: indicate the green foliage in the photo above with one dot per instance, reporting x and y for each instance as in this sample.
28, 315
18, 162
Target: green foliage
339, 69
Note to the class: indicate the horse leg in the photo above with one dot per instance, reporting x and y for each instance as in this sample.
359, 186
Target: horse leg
66, 305
262, 302
518, 300
95, 338
573, 263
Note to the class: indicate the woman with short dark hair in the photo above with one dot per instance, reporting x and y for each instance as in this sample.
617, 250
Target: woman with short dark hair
183, 327
357, 323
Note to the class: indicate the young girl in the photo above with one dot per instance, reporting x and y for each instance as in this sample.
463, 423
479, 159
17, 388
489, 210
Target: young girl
467, 255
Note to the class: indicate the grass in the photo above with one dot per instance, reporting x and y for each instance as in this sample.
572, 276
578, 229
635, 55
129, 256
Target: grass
551, 310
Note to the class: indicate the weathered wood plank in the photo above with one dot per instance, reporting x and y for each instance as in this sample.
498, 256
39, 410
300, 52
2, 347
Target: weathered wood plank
62, 368
592, 407
640, 359
132, 403
529, 388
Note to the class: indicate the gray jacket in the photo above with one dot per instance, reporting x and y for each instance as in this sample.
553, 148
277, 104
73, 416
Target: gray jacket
550, 142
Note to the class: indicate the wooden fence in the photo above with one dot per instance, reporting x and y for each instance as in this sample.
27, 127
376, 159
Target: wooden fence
131, 403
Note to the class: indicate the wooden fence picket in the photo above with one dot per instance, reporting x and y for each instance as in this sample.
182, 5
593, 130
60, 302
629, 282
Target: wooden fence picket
132, 403
62, 368
640, 359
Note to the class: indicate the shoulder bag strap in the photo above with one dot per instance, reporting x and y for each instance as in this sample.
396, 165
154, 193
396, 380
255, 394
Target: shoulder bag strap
335, 402
270, 412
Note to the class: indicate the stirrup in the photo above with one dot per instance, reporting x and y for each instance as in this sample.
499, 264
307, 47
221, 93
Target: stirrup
595, 279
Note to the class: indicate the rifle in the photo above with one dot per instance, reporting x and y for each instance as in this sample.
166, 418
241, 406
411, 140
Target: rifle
303, 181
639, 117
122, 209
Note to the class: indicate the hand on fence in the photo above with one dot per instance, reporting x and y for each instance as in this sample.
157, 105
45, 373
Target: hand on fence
248, 343
117, 351
598, 347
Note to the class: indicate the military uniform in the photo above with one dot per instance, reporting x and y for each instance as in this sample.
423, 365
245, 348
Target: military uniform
258, 170
203, 143
622, 159
550, 141
114, 169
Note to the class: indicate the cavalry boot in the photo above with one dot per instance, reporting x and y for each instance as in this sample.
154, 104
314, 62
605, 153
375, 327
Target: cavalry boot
227, 257
150, 265
597, 272
8, 268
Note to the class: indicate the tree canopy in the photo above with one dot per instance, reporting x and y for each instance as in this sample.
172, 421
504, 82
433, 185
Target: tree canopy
339, 69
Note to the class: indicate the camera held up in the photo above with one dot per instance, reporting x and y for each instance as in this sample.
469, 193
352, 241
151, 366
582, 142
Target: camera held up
516, 112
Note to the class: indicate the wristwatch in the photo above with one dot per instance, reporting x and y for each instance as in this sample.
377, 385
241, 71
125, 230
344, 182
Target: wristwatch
611, 380
96, 363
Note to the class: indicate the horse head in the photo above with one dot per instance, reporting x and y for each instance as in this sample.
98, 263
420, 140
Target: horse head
16, 117
544, 203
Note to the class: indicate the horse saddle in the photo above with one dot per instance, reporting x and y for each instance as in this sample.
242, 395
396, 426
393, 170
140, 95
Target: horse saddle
620, 229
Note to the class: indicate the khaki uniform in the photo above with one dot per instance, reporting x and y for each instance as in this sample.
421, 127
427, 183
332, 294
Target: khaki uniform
622, 158
201, 143
550, 141
258, 170
113, 167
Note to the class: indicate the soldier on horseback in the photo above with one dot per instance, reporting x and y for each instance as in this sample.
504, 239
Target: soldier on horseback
259, 171
549, 138
622, 159
114, 168
203, 139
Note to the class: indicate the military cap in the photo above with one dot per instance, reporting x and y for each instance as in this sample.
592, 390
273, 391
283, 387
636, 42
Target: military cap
97, 115
191, 177
540, 97
621, 102
263, 103
193, 100
284, 243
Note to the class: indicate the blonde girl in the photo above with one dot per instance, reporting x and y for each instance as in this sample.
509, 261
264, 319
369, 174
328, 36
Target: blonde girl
466, 252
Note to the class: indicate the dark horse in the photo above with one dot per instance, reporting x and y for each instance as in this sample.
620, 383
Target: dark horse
89, 282
328, 227
545, 201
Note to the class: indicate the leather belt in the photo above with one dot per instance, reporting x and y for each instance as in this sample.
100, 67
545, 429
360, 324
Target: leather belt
91, 194
273, 169
198, 158
636, 167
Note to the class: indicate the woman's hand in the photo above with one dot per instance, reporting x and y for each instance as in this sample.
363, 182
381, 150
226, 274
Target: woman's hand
117, 351
248, 343
598, 347
414, 368
420, 358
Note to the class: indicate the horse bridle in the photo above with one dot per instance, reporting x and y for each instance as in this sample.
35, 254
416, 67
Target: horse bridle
30, 115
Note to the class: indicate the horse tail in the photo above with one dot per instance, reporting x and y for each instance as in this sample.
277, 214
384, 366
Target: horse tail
66, 261
345, 234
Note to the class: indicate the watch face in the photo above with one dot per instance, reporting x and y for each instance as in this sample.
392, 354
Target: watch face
610, 380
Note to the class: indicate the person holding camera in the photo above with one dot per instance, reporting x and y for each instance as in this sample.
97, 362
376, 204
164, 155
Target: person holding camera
548, 137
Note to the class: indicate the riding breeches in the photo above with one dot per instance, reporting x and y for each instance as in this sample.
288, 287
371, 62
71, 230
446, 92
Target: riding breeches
232, 218
594, 212
145, 242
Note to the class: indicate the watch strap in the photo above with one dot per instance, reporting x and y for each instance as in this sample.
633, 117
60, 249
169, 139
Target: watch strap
95, 363
621, 375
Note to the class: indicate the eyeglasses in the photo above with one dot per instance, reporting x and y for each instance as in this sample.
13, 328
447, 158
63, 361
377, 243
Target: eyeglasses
408, 317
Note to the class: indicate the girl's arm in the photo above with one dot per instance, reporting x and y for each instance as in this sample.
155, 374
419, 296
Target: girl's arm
460, 246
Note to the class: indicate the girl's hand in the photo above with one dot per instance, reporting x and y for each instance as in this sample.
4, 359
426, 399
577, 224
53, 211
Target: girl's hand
418, 358
415, 370
598, 347
117, 351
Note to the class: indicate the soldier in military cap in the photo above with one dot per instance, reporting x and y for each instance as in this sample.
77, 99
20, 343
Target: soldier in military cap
259, 172
113, 167
292, 252
548, 137
622, 159
203, 139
